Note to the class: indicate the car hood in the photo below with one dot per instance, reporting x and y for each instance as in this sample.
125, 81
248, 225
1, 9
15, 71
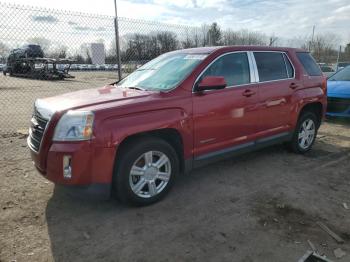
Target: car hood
338, 88
87, 98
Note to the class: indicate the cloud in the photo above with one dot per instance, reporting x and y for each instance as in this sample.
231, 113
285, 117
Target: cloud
288, 18
90, 29
44, 19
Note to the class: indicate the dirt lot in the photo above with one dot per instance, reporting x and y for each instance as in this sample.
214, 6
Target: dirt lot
262, 206
17, 95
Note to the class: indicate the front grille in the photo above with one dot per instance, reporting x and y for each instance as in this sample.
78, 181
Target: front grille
37, 129
337, 105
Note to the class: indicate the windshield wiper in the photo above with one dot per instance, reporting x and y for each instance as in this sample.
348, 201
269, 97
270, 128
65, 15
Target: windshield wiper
135, 88
131, 87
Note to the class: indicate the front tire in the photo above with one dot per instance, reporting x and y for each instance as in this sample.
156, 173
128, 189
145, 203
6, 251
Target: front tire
305, 133
145, 171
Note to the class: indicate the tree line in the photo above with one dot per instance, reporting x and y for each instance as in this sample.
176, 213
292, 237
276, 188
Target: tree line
140, 47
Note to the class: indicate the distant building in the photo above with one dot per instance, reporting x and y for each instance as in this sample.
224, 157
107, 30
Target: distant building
97, 53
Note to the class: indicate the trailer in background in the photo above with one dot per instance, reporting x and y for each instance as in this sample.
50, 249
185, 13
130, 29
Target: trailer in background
30, 62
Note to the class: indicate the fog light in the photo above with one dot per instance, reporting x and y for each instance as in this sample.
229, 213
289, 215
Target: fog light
67, 167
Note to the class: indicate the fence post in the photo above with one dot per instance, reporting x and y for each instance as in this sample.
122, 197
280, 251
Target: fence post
117, 44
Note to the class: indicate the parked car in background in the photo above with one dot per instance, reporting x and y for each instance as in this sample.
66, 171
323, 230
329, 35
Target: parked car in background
2, 67
74, 67
92, 67
83, 67
342, 65
101, 67
339, 94
327, 70
109, 67
182, 110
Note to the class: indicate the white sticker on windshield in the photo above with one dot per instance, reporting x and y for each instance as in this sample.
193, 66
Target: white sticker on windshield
195, 57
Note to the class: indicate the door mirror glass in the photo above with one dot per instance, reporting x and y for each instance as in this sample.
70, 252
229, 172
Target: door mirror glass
211, 83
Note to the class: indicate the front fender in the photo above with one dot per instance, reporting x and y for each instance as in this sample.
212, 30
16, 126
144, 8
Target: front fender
116, 129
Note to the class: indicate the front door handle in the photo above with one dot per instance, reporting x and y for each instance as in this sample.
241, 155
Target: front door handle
293, 86
248, 93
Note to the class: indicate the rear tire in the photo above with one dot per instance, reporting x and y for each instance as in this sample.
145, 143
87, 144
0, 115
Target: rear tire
145, 172
305, 133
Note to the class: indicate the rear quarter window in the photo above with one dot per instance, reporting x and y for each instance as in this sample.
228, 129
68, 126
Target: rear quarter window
309, 64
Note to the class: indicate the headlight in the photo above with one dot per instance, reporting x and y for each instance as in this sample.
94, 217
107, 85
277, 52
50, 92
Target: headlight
74, 126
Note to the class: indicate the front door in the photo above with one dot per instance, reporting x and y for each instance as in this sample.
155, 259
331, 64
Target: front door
226, 118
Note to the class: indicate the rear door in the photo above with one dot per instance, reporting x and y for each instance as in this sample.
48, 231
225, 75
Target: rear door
227, 117
277, 83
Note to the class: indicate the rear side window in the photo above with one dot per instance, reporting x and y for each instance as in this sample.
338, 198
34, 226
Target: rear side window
271, 66
309, 64
233, 67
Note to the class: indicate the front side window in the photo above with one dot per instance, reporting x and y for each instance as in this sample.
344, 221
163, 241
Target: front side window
233, 67
271, 66
163, 73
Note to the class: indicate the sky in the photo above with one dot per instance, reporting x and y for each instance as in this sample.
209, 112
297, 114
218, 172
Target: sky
283, 18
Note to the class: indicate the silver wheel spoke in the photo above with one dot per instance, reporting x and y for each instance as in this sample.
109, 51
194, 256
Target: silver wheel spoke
161, 162
304, 125
309, 125
301, 135
139, 186
149, 158
163, 176
137, 171
152, 188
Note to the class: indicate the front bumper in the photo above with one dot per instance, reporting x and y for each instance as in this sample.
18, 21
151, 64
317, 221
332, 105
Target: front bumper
338, 107
91, 167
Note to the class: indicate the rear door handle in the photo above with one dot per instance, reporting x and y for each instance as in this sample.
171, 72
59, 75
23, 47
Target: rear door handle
293, 86
248, 93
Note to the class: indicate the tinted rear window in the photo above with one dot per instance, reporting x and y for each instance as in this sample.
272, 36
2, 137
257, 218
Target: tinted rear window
309, 64
271, 66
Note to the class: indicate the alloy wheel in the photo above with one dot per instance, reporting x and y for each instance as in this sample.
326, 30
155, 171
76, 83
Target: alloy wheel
150, 174
306, 134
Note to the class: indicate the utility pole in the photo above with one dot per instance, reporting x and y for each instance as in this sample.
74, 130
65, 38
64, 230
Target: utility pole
117, 44
312, 37
339, 52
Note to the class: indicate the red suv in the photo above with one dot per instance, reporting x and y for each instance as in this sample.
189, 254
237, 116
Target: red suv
180, 111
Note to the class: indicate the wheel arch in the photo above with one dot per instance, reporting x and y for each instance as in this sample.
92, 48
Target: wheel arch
169, 135
315, 107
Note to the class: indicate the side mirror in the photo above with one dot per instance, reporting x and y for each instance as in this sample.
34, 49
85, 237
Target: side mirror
211, 83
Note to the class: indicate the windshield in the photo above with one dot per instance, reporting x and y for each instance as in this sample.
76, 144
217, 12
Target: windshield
163, 73
342, 75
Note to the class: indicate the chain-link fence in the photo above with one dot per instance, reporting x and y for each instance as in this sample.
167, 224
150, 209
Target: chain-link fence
77, 51
46, 52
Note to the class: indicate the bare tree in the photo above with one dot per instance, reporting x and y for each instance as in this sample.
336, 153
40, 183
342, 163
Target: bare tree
272, 40
323, 47
4, 50
58, 52
214, 35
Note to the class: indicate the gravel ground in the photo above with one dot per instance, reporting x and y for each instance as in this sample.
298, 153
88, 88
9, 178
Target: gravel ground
262, 206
